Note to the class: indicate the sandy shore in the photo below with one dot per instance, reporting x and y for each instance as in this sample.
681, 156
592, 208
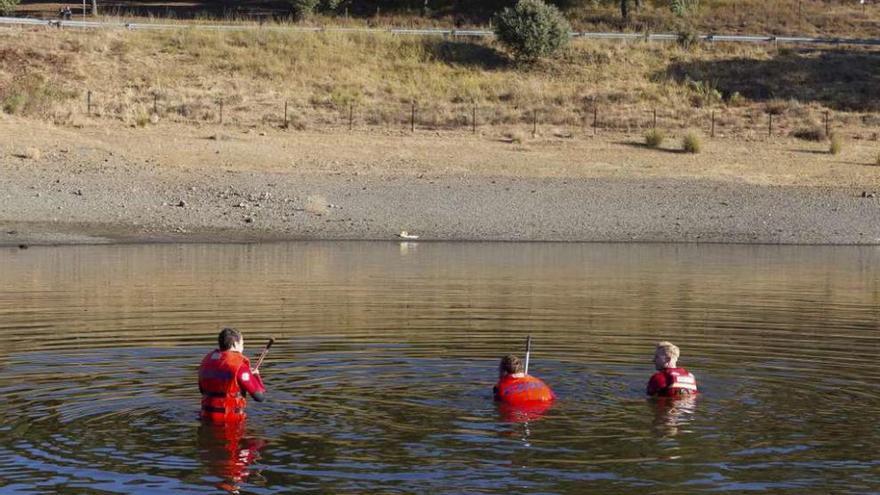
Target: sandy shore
95, 185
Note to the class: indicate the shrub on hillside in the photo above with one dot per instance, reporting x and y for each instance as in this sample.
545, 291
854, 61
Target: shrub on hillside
7, 6
691, 143
684, 8
654, 138
304, 8
532, 29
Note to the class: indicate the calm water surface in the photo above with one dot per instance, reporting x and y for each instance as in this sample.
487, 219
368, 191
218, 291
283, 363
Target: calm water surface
381, 376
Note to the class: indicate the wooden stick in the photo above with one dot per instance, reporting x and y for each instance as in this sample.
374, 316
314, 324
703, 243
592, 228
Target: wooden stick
263, 354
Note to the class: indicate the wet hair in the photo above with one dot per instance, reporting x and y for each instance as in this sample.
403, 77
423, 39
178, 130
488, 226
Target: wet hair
228, 338
669, 350
511, 364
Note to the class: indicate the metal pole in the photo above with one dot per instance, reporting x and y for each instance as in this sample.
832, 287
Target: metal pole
89, 102
827, 125
221, 110
412, 118
528, 353
655, 119
156, 103
770, 126
285, 114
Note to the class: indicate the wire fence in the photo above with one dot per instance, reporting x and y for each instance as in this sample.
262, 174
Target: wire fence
593, 117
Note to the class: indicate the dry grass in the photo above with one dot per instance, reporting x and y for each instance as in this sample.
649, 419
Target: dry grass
654, 138
835, 146
46, 74
691, 143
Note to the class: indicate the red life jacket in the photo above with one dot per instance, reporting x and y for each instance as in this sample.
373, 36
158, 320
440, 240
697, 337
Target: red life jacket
523, 390
222, 398
679, 381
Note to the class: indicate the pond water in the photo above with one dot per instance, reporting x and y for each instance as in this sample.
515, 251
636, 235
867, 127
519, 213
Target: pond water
381, 376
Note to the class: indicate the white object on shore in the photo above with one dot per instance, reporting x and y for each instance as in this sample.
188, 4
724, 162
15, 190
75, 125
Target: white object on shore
406, 235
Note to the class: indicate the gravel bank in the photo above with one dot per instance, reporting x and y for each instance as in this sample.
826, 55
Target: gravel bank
181, 184
59, 204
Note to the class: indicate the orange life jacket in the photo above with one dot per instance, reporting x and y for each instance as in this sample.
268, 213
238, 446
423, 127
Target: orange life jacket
523, 390
679, 382
222, 398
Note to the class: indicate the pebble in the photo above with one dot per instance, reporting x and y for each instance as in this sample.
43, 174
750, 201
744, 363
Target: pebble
182, 204
248, 220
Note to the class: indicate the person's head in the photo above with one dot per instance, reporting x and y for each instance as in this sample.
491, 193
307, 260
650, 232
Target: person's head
230, 339
666, 355
510, 365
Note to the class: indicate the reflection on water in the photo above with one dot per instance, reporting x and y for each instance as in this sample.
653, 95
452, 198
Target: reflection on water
381, 376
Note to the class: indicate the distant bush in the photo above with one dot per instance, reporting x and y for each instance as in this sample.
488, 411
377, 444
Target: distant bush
532, 29
654, 138
7, 6
691, 143
304, 8
836, 145
687, 38
684, 8
877, 159
813, 133
736, 99
704, 93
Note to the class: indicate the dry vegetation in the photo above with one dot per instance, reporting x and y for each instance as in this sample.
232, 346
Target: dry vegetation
187, 73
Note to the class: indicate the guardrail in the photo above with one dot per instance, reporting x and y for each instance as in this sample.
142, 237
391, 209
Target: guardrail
722, 38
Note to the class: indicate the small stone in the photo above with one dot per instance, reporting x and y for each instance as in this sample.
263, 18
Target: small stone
23, 246
12, 232
181, 204
248, 220
78, 192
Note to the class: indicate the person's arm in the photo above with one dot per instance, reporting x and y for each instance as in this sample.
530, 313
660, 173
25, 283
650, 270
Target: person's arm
251, 383
656, 384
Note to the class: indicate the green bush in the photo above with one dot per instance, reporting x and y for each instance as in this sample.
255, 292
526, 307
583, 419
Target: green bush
691, 143
304, 8
532, 29
654, 138
684, 8
836, 145
7, 6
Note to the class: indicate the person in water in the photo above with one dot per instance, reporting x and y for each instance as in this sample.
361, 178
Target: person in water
226, 377
670, 380
516, 387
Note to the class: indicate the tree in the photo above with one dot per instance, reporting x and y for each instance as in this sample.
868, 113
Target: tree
532, 29
7, 6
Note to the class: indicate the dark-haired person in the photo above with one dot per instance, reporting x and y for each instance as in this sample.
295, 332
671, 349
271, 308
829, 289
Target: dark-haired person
225, 378
670, 380
516, 387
